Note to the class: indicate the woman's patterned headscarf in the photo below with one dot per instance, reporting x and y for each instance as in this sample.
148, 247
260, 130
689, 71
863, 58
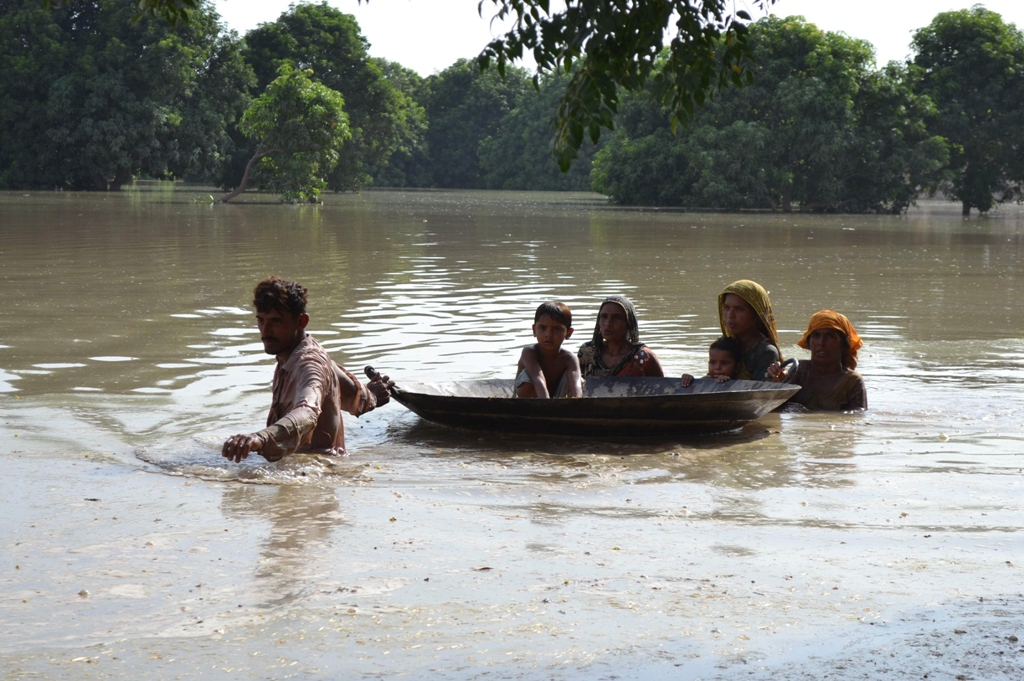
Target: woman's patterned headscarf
757, 298
591, 351
633, 330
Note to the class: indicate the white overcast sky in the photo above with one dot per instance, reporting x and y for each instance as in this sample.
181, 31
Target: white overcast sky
429, 35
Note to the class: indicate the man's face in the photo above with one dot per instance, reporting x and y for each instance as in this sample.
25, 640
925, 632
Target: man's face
280, 330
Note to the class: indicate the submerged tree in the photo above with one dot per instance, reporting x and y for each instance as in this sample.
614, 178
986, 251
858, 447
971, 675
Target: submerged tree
818, 128
299, 127
618, 42
90, 97
518, 154
465, 107
408, 165
892, 156
971, 64
318, 37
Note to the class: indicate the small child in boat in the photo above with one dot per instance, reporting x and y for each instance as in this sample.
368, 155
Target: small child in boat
724, 359
545, 364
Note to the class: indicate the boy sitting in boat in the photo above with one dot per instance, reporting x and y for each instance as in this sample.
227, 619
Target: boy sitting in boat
724, 358
545, 363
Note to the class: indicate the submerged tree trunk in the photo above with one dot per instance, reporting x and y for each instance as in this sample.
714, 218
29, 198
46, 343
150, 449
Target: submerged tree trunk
245, 177
787, 199
966, 212
123, 176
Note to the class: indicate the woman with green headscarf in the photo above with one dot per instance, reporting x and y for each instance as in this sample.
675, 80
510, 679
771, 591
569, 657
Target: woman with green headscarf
745, 313
615, 349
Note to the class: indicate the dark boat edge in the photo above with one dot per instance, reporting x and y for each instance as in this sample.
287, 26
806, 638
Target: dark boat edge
611, 407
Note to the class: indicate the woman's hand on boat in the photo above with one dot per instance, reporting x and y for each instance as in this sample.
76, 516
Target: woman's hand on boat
687, 380
237, 447
775, 372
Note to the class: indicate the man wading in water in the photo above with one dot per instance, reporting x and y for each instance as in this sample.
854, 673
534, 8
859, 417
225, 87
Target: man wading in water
310, 390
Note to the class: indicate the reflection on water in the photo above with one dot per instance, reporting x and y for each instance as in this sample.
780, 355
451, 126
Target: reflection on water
302, 519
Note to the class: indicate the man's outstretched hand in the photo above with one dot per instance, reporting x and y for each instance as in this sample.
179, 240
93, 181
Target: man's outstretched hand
237, 447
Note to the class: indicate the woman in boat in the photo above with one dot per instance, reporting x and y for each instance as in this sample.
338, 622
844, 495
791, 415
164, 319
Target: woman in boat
615, 349
828, 381
745, 313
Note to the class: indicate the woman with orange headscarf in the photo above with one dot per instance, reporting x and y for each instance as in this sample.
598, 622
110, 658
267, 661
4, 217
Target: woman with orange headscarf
828, 380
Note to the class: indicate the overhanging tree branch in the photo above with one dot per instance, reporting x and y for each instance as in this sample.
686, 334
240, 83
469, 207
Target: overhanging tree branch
680, 51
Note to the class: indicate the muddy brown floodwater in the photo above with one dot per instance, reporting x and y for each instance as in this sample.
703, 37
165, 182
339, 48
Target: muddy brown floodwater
886, 545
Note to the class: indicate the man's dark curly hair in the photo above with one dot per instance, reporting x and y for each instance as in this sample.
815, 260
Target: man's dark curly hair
283, 295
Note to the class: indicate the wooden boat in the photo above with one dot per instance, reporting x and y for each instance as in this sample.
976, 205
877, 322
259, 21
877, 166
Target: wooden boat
610, 406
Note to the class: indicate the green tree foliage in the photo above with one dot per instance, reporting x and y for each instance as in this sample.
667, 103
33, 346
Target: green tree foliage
519, 154
612, 45
408, 164
465, 106
216, 91
171, 11
328, 41
971, 64
299, 127
818, 127
32, 55
643, 163
618, 42
892, 155
90, 96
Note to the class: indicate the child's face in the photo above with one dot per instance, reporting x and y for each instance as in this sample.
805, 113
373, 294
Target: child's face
550, 333
721, 363
739, 317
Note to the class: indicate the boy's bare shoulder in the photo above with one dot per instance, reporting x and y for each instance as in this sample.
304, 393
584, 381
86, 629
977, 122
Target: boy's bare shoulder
569, 357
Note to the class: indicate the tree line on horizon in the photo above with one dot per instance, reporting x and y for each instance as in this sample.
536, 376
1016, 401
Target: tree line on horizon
93, 96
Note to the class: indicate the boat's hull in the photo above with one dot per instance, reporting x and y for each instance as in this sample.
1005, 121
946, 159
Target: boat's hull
610, 406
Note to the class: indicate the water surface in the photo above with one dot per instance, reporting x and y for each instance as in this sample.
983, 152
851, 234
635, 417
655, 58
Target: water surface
805, 545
